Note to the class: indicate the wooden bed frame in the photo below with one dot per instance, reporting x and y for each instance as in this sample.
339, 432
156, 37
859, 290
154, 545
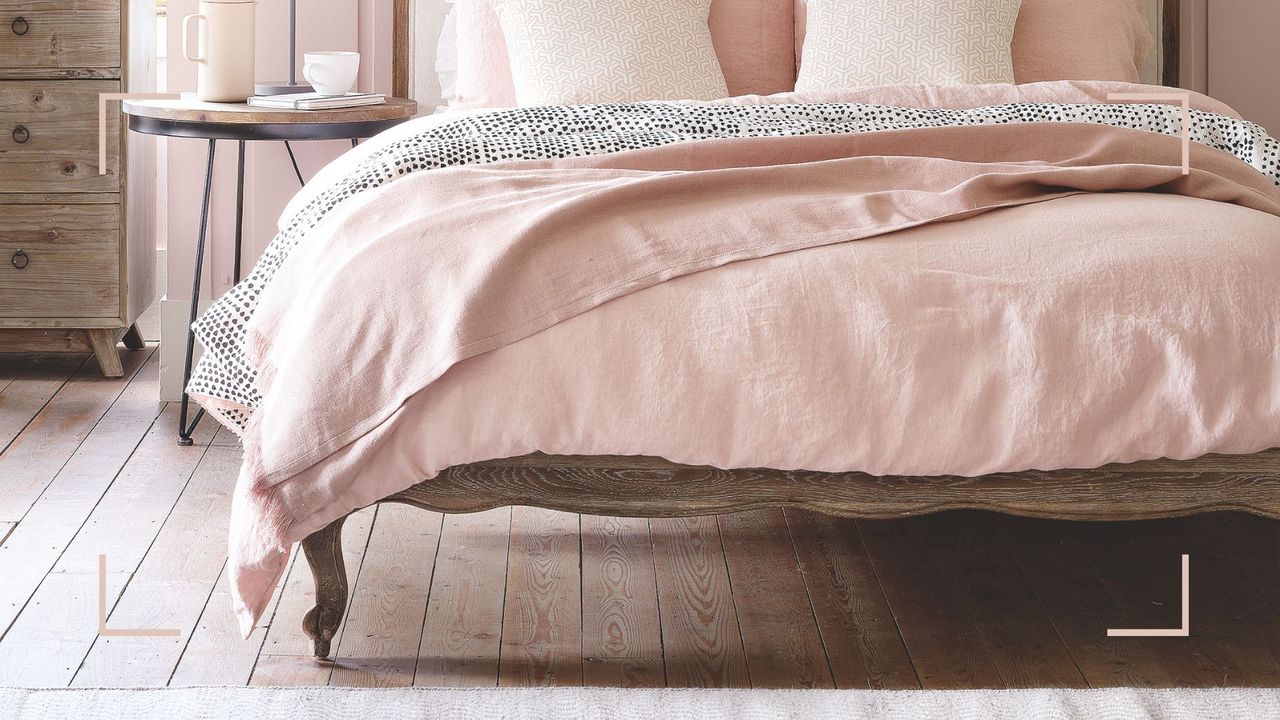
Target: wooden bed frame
652, 487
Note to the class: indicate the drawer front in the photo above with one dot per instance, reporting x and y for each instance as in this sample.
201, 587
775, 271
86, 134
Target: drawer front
59, 33
59, 261
49, 137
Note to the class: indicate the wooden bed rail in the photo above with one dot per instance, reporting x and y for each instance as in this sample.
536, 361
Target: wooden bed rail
652, 487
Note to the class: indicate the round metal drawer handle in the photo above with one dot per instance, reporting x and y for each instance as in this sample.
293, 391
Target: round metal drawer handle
20, 26
20, 260
21, 134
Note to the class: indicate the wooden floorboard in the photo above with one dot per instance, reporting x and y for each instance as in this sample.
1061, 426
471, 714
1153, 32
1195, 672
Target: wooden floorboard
384, 622
1253, 545
215, 653
1019, 636
532, 597
860, 638
32, 548
1140, 564
34, 381
1227, 607
779, 633
34, 458
542, 616
621, 626
701, 640
45, 644
1082, 607
172, 584
463, 629
946, 647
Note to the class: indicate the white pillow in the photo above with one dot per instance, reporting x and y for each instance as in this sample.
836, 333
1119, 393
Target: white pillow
585, 51
849, 43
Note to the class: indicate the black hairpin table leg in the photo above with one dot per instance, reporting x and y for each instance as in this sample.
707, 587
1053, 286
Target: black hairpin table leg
294, 160
185, 429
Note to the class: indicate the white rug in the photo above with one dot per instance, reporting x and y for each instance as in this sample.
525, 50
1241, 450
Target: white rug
350, 704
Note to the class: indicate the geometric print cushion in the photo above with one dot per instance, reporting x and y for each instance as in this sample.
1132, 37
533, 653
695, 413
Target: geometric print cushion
850, 43
566, 52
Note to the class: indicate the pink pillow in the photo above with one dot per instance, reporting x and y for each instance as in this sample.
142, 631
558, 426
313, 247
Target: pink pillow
1067, 39
1081, 40
754, 41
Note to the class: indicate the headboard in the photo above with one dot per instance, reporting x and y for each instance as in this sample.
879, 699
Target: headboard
418, 24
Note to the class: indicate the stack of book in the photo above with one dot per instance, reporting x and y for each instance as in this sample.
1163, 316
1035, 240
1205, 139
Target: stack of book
316, 101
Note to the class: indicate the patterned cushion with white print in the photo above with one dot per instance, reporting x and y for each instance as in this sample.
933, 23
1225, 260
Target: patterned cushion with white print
588, 51
851, 43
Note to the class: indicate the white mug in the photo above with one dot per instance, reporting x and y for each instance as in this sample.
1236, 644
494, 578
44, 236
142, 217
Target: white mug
331, 73
224, 56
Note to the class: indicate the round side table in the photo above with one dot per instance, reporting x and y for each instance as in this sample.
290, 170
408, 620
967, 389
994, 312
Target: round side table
190, 118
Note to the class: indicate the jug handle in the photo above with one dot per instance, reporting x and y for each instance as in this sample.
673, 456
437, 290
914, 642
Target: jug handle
186, 38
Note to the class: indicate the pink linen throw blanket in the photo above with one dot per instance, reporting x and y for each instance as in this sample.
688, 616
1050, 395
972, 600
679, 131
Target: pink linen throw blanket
400, 285
396, 286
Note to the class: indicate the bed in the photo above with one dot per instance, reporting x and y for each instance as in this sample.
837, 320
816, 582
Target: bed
873, 303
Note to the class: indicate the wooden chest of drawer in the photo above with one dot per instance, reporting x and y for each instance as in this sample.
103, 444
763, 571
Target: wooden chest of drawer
60, 33
49, 137
77, 247
59, 260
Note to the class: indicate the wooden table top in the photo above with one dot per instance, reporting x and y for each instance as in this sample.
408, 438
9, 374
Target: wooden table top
189, 109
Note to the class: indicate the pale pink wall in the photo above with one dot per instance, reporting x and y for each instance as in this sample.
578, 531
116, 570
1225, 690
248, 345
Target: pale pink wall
363, 25
1243, 43
1231, 50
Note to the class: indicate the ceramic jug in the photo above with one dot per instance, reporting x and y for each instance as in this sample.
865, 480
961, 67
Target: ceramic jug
224, 52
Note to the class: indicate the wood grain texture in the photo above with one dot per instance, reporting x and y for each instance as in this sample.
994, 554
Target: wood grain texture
463, 628
72, 256
51, 341
34, 381
54, 64
191, 110
1023, 645
323, 550
60, 34
384, 624
652, 487
61, 154
860, 637
701, 640
542, 618
621, 626
1139, 566
77, 484
216, 654
1253, 544
1227, 607
781, 640
55, 432
46, 643
103, 343
171, 584
918, 586
1081, 607
400, 45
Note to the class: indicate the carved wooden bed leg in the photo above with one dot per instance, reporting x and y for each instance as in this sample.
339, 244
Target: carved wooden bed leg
323, 549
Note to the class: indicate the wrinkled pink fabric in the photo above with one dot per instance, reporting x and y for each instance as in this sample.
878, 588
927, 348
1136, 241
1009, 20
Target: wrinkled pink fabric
1081, 40
1070, 333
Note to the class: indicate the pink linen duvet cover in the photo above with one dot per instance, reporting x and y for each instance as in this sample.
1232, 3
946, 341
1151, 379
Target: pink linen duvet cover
945, 299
